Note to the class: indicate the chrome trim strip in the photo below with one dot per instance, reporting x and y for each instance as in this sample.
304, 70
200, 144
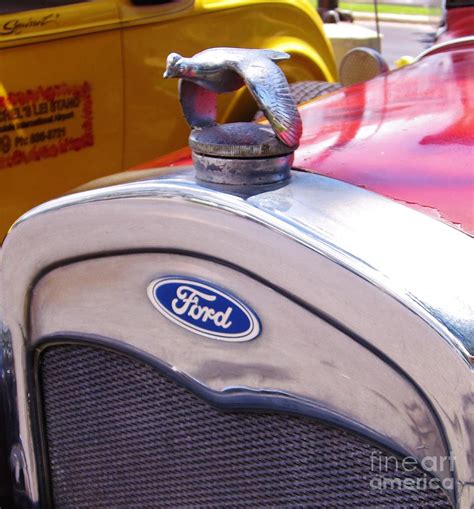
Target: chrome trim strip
443, 45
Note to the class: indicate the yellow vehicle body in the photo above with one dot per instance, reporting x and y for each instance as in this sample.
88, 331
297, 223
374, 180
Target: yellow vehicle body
82, 92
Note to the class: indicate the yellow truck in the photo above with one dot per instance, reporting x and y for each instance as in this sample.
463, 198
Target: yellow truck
82, 92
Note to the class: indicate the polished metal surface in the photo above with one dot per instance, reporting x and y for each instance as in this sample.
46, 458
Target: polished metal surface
217, 70
395, 258
452, 43
376, 288
409, 249
296, 354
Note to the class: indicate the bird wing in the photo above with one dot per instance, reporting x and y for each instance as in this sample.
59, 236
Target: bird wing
269, 87
274, 54
199, 105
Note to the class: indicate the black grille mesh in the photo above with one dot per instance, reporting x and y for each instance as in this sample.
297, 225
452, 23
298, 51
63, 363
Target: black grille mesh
120, 434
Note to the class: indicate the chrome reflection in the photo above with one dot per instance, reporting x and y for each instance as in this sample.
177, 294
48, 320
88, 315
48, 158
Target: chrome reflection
452, 43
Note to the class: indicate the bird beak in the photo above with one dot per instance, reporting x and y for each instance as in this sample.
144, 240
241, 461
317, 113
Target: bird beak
166, 74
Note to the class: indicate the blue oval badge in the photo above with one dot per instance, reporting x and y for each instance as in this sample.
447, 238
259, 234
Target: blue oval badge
204, 309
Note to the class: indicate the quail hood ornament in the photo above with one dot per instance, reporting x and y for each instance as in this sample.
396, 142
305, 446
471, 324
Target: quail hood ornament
244, 152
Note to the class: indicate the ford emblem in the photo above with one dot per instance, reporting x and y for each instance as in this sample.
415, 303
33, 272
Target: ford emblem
204, 309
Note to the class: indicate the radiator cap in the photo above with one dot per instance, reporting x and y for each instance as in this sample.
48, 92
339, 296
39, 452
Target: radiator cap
243, 153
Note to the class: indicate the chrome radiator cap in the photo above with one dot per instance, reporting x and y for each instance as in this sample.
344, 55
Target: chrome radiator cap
243, 153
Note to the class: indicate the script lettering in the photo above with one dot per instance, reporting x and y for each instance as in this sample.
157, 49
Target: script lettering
188, 302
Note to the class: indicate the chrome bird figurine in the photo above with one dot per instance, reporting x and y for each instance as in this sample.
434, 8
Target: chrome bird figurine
219, 70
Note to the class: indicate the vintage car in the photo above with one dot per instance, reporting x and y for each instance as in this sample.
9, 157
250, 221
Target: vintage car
246, 325
81, 88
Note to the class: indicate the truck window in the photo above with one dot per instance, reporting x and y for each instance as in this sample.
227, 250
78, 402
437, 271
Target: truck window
12, 6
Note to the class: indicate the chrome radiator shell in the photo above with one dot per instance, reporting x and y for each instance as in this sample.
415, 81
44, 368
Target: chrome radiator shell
366, 266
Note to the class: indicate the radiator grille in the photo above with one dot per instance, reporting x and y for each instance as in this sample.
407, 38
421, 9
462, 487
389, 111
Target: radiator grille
120, 434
